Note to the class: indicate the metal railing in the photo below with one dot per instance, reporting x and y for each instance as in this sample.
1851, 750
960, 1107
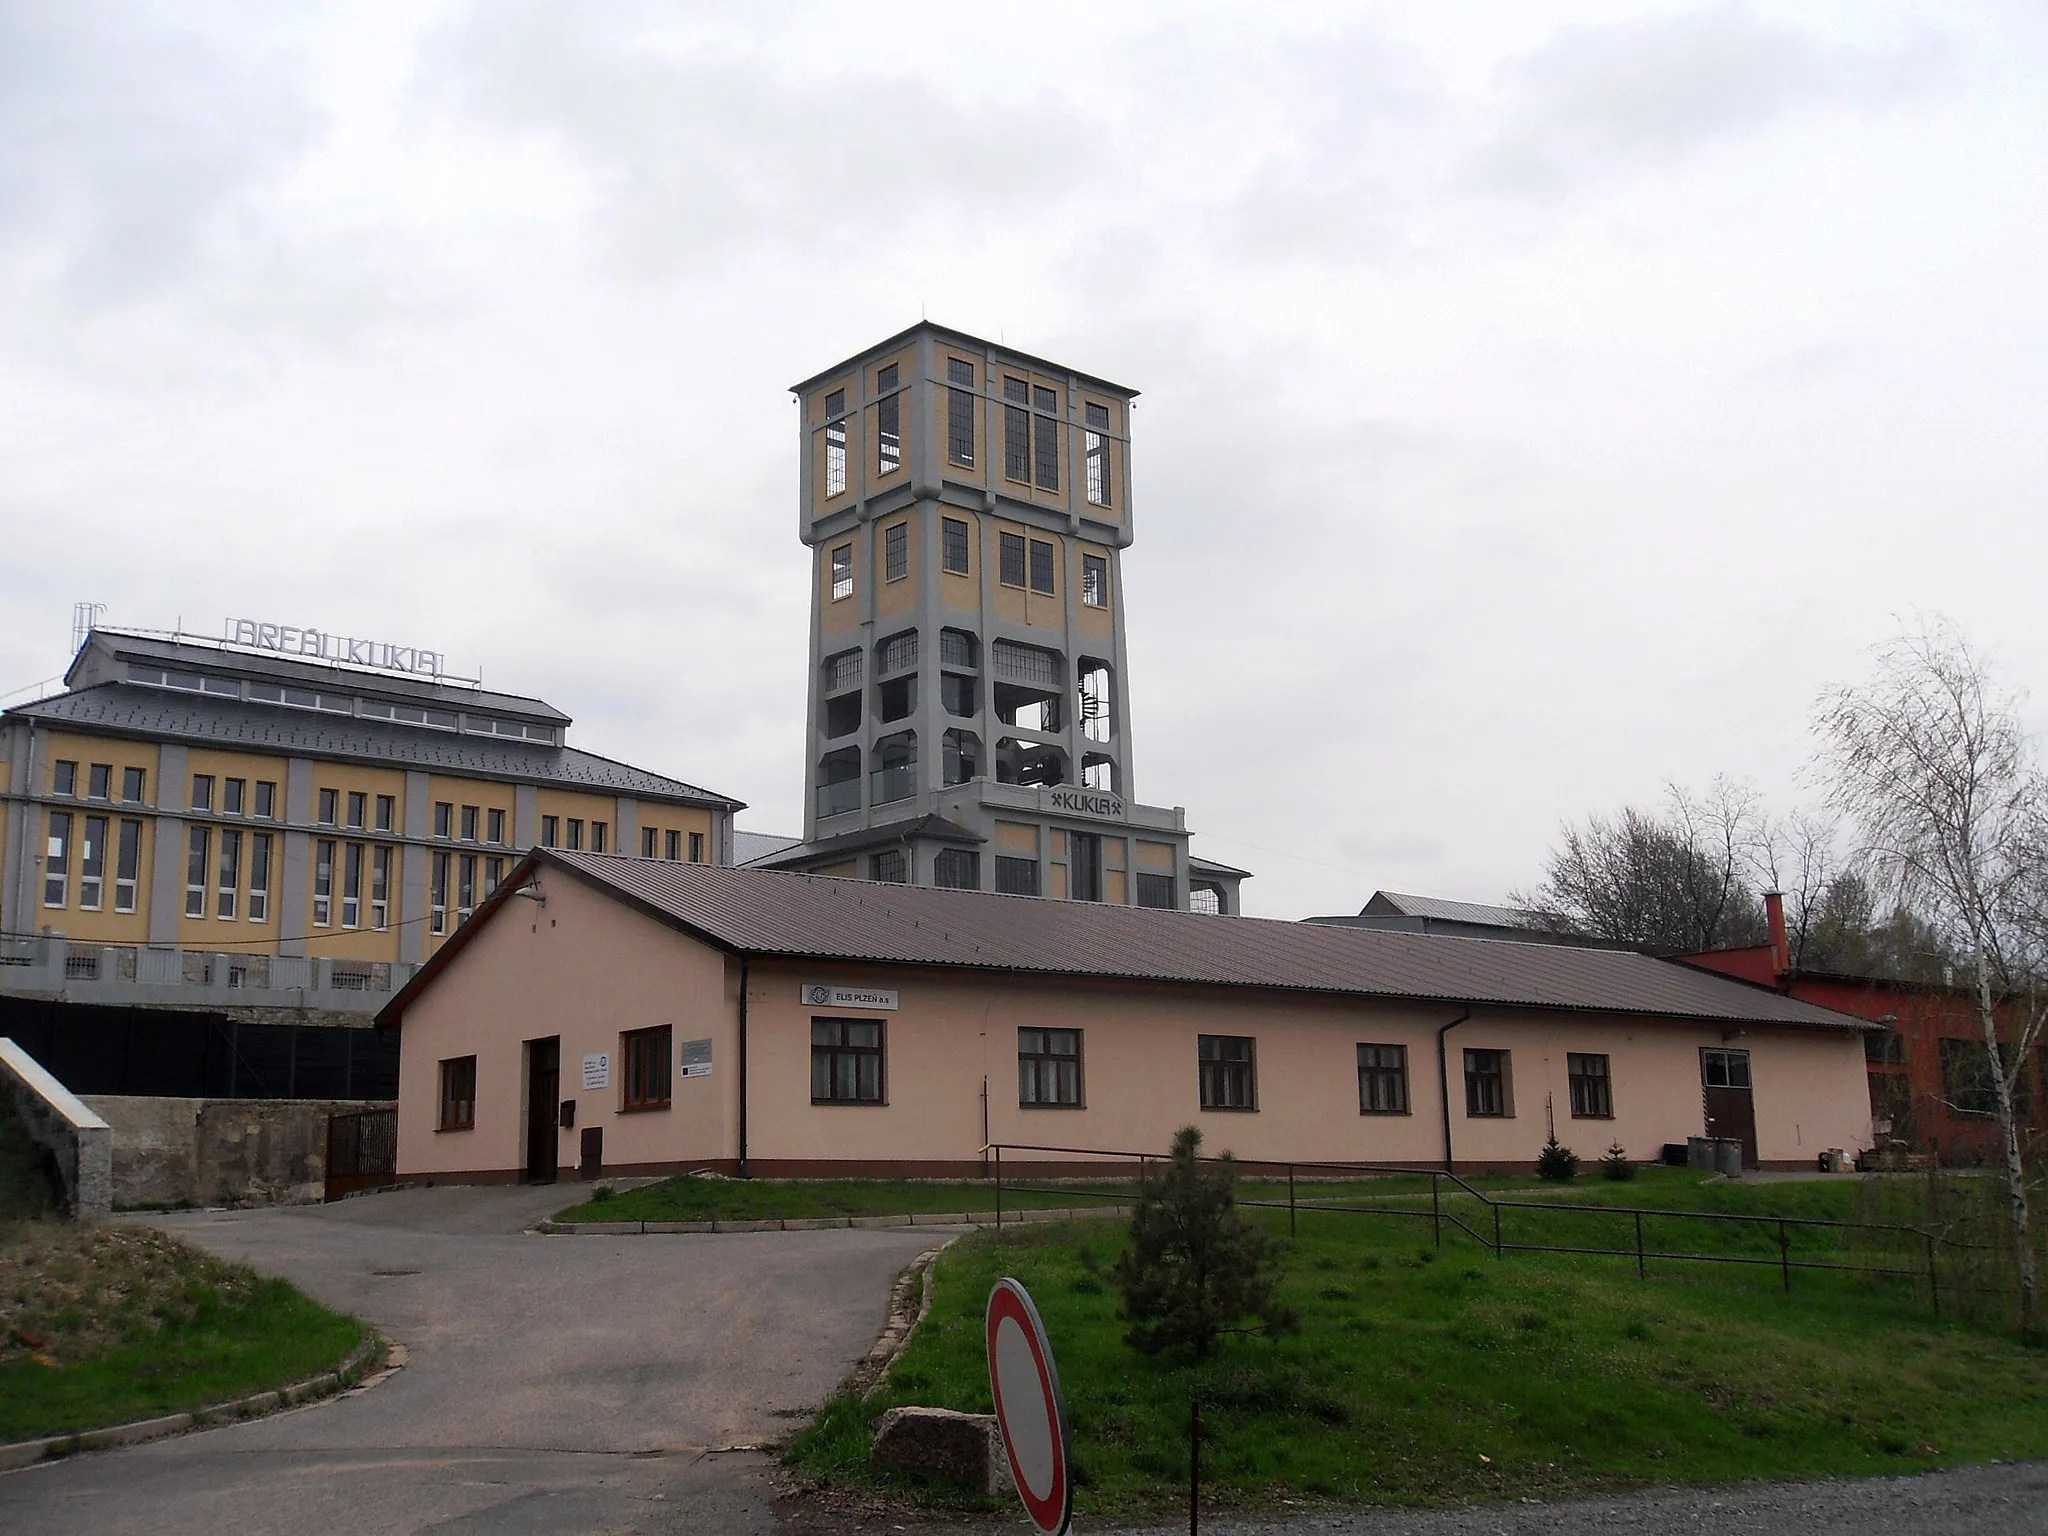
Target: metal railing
1491, 1227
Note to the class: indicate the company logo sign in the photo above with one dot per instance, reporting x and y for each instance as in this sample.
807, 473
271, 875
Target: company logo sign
320, 644
1085, 802
875, 999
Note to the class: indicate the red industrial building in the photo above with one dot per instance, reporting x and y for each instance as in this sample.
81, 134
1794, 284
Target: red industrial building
1930, 1090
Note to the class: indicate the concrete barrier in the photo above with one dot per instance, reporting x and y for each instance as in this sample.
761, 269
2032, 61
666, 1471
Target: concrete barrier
81, 1143
215, 1152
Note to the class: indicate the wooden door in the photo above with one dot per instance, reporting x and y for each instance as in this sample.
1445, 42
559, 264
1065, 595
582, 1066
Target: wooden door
1729, 1099
543, 1099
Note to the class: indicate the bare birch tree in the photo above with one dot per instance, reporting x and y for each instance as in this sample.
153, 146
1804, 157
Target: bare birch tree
1929, 759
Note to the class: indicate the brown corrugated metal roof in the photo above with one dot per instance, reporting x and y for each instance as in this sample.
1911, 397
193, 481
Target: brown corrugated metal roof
766, 912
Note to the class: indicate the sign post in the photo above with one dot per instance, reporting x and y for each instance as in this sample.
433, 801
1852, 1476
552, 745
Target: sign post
1030, 1408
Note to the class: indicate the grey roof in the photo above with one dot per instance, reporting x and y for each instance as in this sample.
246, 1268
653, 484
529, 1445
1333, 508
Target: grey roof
117, 709
766, 912
1392, 904
1198, 865
1000, 349
888, 835
749, 846
225, 660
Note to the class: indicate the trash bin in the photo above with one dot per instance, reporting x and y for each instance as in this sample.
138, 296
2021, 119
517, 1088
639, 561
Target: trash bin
1728, 1157
1699, 1152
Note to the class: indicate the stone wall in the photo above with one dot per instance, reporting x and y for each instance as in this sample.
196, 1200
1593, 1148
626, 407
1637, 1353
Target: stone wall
64, 1126
220, 1152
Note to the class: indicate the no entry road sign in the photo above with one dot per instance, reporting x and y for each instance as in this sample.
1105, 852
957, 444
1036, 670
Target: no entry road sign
1029, 1407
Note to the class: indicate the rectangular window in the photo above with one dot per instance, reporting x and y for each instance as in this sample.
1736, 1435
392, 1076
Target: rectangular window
888, 424
671, 845
1886, 1047
358, 809
891, 866
266, 800
1097, 448
202, 791
896, 552
1591, 1089
323, 883
597, 837
846, 1061
1049, 1067
1010, 568
1155, 891
1016, 430
234, 796
57, 860
494, 828
259, 877
1229, 1072
63, 778
128, 866
132, 780
1045, 439
458, 1094
92, 864
352, 885
1041, 566
647, 1053
1724, 1069
1383, 1079
842, 572
494, 874
1094, 581
960, 411
1486, 1085
469, 823
438, 921
835, 443
199, 844
953, 536
550, 835
575, 832
329, 813
444, 818
957, 869
648, 837
387, 813
99, 781
696, 847
227, 887
380, 888
1966, 1077
465, 887
1016, 877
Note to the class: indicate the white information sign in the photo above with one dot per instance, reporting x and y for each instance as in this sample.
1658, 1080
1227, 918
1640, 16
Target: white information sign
696, 1059
597, 1070
824, 995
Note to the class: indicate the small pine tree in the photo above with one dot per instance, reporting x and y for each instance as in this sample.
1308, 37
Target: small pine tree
1558, 1163
1196, 1267
1615, 1165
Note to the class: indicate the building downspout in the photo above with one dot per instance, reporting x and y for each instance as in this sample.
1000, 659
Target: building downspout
1443, 1078
743, 1069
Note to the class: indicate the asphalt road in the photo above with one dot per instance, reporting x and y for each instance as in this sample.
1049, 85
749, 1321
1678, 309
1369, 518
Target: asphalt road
553, 1385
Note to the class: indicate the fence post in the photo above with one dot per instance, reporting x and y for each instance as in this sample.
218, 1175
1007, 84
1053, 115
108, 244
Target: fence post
1641, 1272
1290, 1199
1496, 1227
1436, 1208
1933, 1280
1784, 1256
999, 1186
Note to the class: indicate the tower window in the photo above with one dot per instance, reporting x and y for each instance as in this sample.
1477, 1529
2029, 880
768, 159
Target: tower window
842, 572
962, 756
1041, 566
842, 671
1011, 547
1155, 891
896, 552
954, 534
891, 866
899, 651
957, 869
888, 424
1045, 439
1016, 430
835, 443
1094, 581
956, 648
960, 411
1096, 445
1016, 877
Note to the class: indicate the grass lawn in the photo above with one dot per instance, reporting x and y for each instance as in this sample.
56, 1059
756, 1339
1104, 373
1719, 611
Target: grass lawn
101, 1325
1427, 1375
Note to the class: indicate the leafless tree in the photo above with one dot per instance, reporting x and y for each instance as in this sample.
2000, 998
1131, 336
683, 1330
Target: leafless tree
1929, 759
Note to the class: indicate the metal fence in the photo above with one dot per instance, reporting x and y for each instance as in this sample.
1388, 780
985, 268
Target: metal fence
1504, 1225
362, 1151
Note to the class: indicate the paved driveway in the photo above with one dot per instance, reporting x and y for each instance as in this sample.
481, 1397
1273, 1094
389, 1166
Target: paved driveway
554, 1384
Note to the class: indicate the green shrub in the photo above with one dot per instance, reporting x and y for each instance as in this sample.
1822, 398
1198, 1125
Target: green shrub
1196, 1267
1615, 1165
1557, 1163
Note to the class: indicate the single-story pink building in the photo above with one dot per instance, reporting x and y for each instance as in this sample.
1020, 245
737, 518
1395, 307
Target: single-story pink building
648, 1016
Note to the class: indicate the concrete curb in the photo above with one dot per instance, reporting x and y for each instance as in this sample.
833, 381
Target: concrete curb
350, 1373
910, 1302
552, 1228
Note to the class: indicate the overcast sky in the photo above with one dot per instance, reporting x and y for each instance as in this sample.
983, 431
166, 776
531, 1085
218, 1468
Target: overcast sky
1540, 402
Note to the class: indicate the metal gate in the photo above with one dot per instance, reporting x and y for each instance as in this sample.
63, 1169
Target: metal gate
362, 1151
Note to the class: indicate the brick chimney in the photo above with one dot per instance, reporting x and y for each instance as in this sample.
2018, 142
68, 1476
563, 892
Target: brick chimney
1781, 947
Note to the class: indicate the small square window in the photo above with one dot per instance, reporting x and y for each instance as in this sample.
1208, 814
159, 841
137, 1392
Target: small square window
64, 778
1049, 1068
202, 791
891, 866
846, 1061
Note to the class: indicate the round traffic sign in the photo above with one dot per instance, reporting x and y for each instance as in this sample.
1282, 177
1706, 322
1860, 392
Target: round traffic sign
1029, 1407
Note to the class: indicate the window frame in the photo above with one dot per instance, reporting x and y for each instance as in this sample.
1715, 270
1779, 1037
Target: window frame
635, 1054
834, 1050
1486, 1065
457, 1112
1094, 581
64, 778
835, 444
1586, 1088
895, 552
199, 862
266, 799
57, 845
1046, 554
953, 535
841, 568
1095, 453
960, 401
136, 779
1216, 1073
1381, 1073
227, 882
128, 865
1009, 865
259, 877
1006, 544
202, 792
696, 848
99, 781
1037, 1062
323, 882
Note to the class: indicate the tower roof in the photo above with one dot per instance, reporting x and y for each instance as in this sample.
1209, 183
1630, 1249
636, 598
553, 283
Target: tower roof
1000, 349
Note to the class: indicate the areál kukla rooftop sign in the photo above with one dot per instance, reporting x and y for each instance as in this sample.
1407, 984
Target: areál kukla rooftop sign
320, 643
